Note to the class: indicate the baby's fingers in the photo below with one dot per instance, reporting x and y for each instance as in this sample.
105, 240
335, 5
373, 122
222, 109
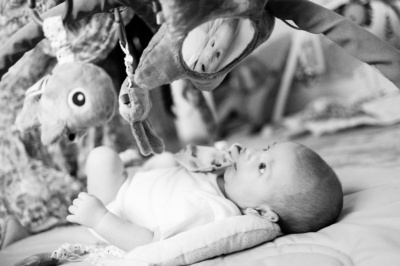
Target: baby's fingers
73, 209
83, 195
76, 202
72, 218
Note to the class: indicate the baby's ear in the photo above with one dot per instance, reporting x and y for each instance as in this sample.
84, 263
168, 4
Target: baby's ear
264, 212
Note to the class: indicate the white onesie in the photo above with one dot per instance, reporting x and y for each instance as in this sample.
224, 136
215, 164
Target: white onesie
171, 200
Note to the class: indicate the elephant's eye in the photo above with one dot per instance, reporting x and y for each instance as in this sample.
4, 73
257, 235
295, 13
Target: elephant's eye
77, 98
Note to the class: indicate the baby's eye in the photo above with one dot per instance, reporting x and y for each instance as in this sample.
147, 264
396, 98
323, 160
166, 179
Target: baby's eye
212, 44
218, 54
265, 149
262, 167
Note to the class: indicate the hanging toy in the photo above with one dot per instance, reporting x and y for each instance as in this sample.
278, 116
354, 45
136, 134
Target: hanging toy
77, 95
135, 103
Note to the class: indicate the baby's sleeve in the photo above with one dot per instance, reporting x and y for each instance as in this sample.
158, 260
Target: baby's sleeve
359, 42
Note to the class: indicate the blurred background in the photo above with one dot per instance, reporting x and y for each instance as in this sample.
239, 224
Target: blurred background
296, 86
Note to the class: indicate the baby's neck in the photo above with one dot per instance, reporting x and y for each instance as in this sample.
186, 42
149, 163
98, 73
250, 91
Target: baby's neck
221, 184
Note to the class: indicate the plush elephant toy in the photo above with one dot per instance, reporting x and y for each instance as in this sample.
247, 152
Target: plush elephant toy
75, 96
67, 102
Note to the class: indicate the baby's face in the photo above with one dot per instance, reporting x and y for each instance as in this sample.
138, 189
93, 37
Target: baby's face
215, 50
258, 174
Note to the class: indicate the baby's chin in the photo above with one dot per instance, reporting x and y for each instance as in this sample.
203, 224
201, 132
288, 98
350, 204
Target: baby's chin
229, 173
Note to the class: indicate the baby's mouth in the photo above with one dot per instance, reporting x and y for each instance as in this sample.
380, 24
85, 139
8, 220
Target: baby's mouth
195, 63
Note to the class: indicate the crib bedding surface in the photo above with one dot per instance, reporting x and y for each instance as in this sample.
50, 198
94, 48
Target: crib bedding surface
47, 241
367, 232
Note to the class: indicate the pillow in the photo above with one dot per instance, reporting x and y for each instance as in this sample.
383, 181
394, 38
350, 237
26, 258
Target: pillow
204, 242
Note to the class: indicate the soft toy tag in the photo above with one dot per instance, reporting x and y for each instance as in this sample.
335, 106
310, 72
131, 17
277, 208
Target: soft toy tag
76, 96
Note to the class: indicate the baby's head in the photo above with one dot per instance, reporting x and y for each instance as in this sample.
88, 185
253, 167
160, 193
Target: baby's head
286, 183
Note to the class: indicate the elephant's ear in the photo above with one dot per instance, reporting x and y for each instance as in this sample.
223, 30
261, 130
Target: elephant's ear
28, 118
52, 132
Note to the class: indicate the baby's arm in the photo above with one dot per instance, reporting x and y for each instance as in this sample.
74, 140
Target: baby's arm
89, 211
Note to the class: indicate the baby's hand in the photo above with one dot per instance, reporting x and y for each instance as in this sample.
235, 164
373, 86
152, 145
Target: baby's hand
86, 210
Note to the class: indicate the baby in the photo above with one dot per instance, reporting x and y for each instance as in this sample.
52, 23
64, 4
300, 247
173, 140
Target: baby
215, 38
285, 182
